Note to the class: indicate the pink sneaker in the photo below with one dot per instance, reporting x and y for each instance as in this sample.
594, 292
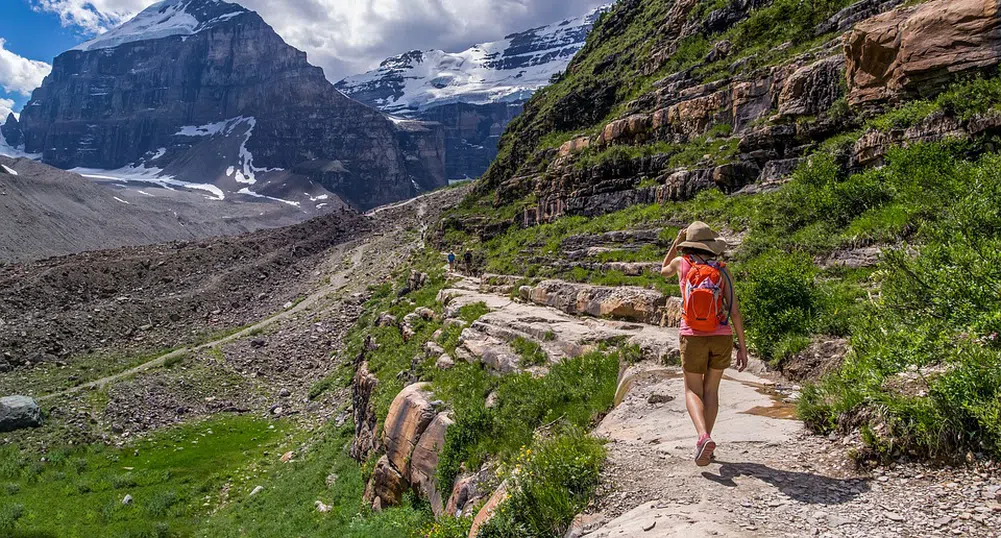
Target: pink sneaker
704, 451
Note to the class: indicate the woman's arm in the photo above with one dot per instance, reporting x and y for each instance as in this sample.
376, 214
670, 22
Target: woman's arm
669, 268
738, 326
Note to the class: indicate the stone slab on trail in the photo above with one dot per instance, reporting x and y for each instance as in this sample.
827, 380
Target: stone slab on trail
559, 334
741, 417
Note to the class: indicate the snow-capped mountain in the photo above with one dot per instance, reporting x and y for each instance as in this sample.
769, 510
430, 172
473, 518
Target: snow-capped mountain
204, 93
165, 19
475, 93
506, 71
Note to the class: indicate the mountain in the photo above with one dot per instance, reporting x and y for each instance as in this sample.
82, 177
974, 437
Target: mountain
474, 93
205, 91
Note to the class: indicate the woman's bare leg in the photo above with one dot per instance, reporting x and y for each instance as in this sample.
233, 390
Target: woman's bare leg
710, 398
694, 390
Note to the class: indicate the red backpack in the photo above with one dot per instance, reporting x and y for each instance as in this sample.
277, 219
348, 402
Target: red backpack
704, 307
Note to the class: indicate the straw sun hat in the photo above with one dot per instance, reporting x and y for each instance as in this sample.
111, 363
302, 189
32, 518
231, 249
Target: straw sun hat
700, 236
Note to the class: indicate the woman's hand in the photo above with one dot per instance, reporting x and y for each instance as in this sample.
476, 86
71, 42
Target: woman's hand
741, 359
682, 234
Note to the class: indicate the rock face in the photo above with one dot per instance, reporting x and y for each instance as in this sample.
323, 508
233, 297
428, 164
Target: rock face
412, 436
11, 131
621, 302
365, 441
409, 415
424, 461
475, 93
18, 412
908, 51
188, 80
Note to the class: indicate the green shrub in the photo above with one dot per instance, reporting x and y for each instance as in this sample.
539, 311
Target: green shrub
9, 514
530, 352
778, 299
968, 98
550, 485
936, 323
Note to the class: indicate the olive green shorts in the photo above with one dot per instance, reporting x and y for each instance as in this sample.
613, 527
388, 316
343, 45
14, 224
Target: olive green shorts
699, 353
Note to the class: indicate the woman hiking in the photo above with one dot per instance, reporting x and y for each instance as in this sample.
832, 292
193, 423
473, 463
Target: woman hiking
710, 315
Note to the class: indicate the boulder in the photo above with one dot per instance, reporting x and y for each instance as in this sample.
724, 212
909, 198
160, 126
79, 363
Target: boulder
424, 461
365, 441
631, 129
732, 177
387, 486
468, 490
445, 362
386, 319
684, 184
494, 353
409, 415
812, 89
18, 412
916, 50
620, 302
574, 146
697, 115
487, 512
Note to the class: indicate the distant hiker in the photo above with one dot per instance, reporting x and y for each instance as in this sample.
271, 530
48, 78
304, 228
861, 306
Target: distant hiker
708, 312
467, 258
451, 262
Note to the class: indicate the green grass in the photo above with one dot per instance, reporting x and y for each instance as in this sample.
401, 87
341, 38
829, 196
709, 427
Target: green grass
78, 492
574, 392
549, 486
286, 506
530, 352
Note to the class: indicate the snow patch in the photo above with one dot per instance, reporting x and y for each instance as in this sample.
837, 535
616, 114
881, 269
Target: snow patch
245, 172
10, 171
120, 200
144, 193
152, 175
248, 192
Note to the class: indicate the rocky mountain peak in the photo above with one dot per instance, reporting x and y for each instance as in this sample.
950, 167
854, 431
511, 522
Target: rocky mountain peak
165, 19
505, 71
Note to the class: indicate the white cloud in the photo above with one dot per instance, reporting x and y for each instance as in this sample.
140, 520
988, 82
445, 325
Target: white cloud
18, 74
6, 107
346, 37
92, 16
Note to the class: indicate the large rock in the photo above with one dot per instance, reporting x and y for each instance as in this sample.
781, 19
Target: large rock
494, 353
18, 412
489, 509
812, 89
915, 50
409, 415
621, 302
424, 461
366, 441
387, 485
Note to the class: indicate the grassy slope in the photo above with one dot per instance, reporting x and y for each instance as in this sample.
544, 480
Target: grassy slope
896, 319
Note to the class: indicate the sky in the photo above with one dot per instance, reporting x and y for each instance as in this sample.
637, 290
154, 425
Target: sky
344, 37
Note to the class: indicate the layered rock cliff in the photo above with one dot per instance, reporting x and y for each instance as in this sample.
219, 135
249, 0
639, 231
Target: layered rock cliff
188, 79
721, 112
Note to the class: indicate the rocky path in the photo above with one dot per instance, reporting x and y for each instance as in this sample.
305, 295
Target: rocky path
354, 251
770, 478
